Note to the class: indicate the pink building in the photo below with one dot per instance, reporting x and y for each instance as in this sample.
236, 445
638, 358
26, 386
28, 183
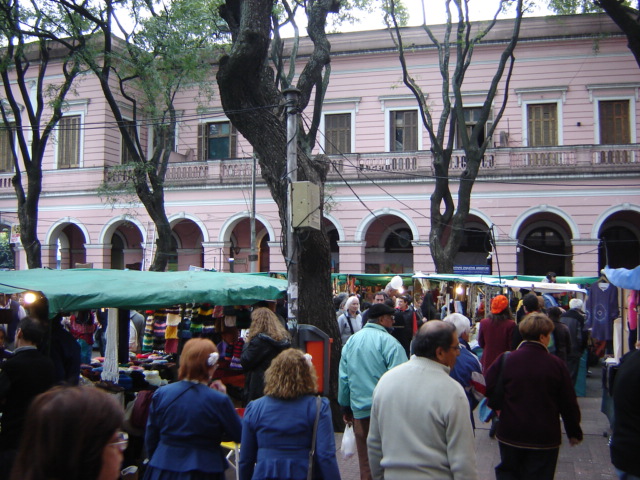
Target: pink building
562, 176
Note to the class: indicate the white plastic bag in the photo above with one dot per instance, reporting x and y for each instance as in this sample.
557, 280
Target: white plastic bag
348, 447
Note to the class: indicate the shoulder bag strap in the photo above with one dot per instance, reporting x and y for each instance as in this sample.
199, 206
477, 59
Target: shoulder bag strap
348, 318
313, 438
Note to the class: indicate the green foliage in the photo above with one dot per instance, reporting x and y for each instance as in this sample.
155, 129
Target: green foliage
351, 12
571, 7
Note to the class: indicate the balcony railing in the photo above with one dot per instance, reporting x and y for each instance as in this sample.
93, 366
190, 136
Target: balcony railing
363, 166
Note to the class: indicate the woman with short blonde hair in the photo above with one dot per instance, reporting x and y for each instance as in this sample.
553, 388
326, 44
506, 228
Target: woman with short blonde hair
277, 431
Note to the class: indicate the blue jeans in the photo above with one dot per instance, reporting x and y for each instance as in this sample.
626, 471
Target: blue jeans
85, 351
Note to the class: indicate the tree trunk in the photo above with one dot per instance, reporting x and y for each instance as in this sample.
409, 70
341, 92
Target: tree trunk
252, 101
28, 216
628, 20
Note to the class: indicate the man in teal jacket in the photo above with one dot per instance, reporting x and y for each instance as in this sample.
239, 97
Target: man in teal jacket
366, 356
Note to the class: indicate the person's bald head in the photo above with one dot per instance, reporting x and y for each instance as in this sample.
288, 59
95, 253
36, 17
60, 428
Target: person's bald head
438, 341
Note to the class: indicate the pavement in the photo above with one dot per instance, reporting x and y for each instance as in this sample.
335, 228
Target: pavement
588, 461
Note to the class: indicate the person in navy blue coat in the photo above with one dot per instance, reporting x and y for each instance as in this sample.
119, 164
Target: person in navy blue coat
277, 429
188, 420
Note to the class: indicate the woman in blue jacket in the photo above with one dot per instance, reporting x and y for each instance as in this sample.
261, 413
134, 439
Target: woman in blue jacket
188, 420
277, 429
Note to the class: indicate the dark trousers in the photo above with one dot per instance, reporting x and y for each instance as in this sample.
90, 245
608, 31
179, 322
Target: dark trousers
361, 431
526, 464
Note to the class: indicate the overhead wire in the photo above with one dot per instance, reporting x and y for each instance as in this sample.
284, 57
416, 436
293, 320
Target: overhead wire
374, 182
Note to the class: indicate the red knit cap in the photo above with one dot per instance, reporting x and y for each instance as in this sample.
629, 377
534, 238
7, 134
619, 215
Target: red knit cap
499, 304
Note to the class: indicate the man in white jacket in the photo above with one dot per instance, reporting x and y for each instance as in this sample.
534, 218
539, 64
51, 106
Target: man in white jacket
420, 420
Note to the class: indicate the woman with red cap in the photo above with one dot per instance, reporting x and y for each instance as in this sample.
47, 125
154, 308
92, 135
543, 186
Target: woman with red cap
495, 337
495, 331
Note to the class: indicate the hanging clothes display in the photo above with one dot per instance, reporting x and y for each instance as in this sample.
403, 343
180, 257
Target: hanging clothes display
602, 308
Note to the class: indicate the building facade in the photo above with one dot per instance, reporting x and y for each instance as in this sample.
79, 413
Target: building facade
559, 187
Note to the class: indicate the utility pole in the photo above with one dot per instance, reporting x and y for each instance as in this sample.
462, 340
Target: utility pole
292, 95
253, 256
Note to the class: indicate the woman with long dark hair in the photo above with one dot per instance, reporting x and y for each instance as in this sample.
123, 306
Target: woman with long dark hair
72, 433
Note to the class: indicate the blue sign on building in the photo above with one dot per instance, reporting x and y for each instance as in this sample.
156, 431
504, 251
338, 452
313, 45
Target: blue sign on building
472, 269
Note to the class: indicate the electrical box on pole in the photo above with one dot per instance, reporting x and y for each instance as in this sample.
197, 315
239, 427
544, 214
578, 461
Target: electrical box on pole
305, 204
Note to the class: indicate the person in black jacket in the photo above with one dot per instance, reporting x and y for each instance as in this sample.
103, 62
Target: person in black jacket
266, 339
625, 441
22, 377
561, 339
574, 320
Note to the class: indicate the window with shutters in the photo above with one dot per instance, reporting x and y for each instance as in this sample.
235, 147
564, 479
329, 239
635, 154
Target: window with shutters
69, 141
337, 133
404, 130
471, 117
125, 154
542, 124
217, 140
6, 156
614, 122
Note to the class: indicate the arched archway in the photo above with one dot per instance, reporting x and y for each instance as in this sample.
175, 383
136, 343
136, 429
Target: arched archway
544, 244
70, 240
620, 240
124, 237
388, 245
187, 249
236, 233
335, 234
476, 244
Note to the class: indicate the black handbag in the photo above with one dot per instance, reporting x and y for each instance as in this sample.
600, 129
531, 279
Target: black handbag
496, 400
313, 438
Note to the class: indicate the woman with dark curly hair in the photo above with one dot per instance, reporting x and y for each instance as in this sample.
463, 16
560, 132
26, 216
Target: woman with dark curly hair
266, 339
72, 433
278, 428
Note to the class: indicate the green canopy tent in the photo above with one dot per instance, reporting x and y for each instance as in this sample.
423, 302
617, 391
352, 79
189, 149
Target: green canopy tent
80, 289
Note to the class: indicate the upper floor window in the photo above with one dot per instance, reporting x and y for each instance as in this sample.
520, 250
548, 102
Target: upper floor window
125, 154
337, 133
614, 122
6, 155
471, 118
217, 140
542, 123
69, 141
404, 130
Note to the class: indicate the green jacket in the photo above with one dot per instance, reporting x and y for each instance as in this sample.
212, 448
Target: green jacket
366, 356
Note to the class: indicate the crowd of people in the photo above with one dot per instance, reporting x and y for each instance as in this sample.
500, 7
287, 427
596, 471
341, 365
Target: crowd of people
407, 382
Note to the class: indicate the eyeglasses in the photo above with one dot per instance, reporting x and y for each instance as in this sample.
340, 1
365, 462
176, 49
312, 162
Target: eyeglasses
122, 440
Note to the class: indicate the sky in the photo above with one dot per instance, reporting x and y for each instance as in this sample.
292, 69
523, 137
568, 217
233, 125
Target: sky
436, 11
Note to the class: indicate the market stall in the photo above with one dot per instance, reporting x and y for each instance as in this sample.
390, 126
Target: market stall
89, 289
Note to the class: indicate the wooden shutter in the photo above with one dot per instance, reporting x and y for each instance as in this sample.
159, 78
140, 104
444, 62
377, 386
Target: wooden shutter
404, 131
543, 124
337, 133
6, 156
69, 142
614, 122
201, 147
